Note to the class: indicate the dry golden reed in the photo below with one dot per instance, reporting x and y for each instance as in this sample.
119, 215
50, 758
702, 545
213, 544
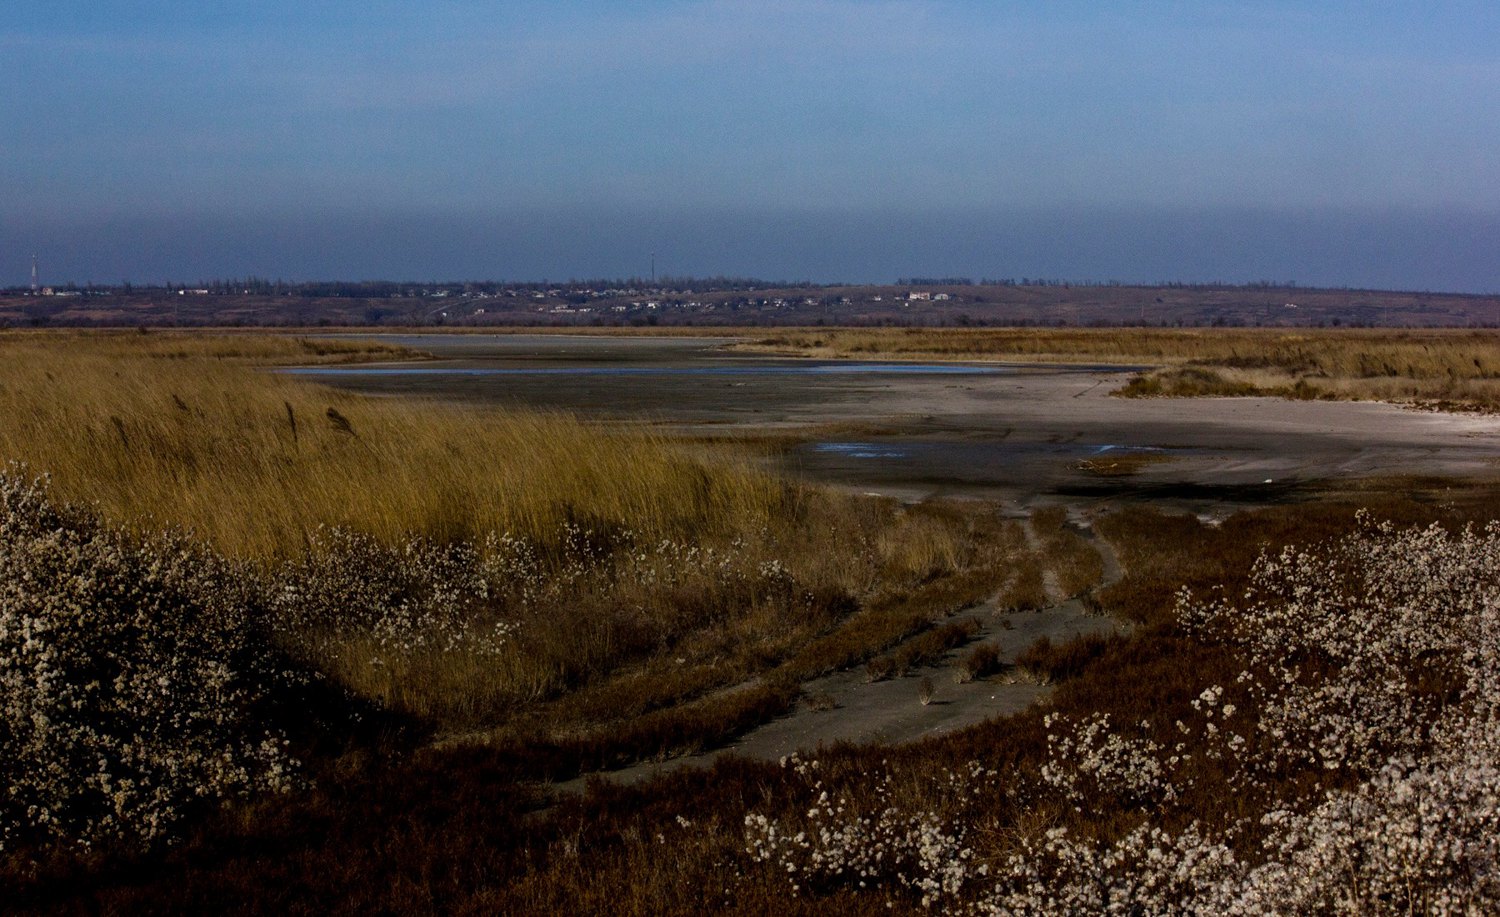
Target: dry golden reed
195, 431
644, 551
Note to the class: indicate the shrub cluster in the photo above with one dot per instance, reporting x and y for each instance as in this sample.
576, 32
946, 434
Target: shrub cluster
137, 672
130, 678
1349, 766
836, 844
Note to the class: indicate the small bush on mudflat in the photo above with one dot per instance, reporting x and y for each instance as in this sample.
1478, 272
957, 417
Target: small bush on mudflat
1186, 382
1053, 662
129, 679
928, 648
983, 660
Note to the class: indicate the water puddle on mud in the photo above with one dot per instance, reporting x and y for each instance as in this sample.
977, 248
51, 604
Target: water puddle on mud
969, 464
858, 450
749, 369
970, 452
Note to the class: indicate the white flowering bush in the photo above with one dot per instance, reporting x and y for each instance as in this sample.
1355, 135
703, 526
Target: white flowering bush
1362, 733
1418, 837
1148, 871
1089, 760
1355, 651
419, 595
838, 843
130, 679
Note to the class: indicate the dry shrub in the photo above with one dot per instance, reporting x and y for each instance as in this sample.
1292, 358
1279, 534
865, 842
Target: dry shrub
924, 649
684, 729
980, 662
880, 668
1187, 382
821, 701
1052, 662
1026, 589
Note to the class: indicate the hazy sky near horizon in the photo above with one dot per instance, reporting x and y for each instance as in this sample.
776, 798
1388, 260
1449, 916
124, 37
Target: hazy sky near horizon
1330, 143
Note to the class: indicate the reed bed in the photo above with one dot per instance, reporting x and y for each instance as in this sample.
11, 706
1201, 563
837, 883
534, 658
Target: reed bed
194, 432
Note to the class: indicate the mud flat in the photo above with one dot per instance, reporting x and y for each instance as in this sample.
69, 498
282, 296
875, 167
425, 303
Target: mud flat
1014, 432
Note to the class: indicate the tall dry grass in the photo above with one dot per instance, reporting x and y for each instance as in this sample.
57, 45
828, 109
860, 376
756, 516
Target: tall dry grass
193, 431
633, 574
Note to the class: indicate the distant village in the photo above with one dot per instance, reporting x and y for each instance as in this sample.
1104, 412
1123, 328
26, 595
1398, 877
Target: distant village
957, 302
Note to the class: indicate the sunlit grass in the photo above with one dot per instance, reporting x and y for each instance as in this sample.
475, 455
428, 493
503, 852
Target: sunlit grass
193, 431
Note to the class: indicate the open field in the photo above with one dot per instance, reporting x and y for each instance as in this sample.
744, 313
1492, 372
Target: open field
395, 620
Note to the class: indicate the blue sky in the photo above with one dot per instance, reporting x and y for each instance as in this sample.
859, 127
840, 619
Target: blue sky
1337, 143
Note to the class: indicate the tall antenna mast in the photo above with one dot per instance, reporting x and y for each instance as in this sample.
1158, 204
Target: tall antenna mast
33, 275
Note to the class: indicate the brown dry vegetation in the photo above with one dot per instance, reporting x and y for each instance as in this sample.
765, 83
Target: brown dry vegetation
623, 666
980, 661
189, 430
1052, 563
669, 597
450, 831
1451, 369
1050, 662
